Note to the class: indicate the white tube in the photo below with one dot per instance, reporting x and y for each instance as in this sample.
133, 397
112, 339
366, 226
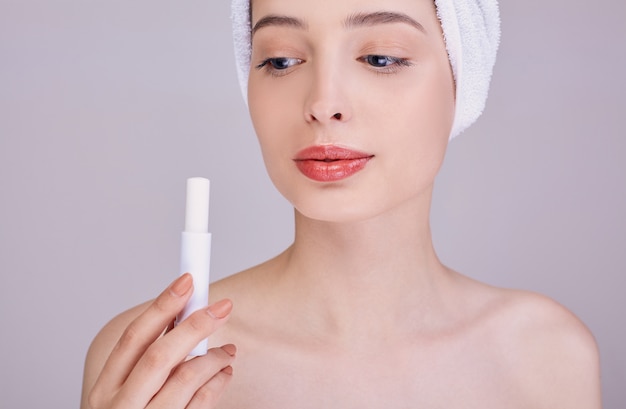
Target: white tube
197, 206
195, 252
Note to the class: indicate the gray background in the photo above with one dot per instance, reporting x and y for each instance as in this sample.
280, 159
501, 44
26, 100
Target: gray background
106, 107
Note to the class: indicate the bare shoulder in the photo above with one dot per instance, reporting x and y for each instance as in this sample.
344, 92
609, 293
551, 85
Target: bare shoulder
551, 354
103, 344
246, 288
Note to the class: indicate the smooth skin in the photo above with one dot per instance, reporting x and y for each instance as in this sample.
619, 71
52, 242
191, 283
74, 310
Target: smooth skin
358, 312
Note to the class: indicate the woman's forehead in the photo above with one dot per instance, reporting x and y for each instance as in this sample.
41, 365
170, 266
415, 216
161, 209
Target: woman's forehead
334, 12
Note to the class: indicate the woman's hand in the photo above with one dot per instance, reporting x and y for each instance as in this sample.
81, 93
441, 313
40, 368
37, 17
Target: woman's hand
147, 369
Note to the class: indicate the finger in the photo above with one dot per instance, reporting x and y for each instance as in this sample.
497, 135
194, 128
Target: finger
142, 332
210, 393
190, 376
170, 327
155, 366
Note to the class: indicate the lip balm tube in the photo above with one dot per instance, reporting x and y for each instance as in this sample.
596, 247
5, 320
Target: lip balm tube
195, 252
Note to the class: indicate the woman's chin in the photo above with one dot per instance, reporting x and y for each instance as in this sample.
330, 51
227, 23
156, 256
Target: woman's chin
341, 212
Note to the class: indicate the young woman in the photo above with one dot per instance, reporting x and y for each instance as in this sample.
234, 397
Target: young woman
353, 103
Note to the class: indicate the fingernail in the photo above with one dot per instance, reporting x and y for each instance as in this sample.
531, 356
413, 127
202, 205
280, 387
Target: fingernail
230, 349
182, 285
228, 370
220, 309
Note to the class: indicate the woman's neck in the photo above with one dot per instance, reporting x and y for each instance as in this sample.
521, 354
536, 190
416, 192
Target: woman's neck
350, 278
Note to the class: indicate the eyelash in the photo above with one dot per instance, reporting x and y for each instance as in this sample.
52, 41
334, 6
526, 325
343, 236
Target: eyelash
395, 64
269, 65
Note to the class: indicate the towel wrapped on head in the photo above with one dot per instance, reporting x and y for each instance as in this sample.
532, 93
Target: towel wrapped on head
471, 30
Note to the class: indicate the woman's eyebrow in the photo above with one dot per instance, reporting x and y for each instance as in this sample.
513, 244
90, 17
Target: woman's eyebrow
276, 20
381, 17
354, 20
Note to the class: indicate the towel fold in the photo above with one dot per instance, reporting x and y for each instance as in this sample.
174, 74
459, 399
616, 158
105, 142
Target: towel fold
471, 30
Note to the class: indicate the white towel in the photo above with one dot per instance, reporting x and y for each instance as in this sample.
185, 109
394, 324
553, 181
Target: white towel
471, 30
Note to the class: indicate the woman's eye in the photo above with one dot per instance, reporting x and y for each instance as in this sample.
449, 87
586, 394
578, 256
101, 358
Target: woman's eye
379, 60
279, 63
385, 63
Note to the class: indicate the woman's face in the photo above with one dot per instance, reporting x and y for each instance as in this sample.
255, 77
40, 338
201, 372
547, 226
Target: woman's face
352, 102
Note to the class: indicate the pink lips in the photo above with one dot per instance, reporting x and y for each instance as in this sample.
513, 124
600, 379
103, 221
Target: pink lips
329, 163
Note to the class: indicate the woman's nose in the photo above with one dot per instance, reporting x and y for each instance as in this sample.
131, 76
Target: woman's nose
327, 100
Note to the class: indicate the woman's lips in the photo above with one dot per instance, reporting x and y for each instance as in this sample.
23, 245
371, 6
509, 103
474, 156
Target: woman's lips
328, 163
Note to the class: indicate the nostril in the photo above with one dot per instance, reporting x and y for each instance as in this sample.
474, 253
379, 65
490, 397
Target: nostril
337, 115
